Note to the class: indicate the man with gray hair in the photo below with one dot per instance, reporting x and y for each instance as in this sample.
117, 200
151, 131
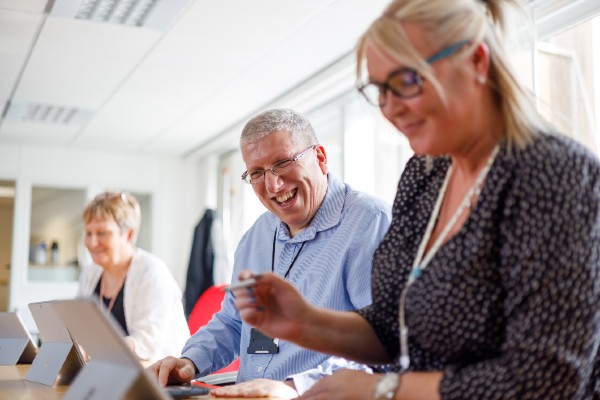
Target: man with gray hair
318, 233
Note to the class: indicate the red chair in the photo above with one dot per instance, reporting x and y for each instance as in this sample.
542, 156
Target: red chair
206, 306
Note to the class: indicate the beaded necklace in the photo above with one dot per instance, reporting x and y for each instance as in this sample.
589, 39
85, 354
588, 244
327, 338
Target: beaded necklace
421, 262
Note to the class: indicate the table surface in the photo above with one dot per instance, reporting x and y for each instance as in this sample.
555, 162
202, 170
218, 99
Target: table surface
14, 386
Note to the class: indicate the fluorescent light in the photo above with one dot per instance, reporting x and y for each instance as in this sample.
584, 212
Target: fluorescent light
126, 12
48, 114
154, 14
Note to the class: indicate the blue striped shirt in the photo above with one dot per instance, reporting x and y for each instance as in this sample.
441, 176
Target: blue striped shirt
333, 270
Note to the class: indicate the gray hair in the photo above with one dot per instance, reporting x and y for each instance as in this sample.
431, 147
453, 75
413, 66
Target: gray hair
276, 120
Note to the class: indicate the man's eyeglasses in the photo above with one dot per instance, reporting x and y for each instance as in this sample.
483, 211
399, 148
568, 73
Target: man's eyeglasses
279, 168
404, 82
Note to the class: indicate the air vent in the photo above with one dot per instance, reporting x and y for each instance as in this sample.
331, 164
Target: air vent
155, 14
47, 114
129, 12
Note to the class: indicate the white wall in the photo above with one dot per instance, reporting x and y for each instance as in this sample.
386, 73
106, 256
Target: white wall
178, 199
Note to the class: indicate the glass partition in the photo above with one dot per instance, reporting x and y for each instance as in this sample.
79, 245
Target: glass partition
56, 234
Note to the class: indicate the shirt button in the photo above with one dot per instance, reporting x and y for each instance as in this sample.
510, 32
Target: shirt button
260, 369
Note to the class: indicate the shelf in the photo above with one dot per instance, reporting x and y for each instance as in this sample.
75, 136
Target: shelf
53, 273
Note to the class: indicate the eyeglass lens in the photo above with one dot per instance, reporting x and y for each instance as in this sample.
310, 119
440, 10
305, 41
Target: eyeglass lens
404, 82
278, 169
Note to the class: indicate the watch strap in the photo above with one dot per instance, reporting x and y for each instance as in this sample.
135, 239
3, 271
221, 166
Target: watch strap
386, 386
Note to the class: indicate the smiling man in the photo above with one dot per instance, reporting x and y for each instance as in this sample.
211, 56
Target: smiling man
318, 233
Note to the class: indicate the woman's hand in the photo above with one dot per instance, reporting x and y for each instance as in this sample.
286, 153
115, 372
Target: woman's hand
273, 306
345, 384
257, 388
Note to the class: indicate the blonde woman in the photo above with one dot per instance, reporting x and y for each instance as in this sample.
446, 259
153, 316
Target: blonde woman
136, 287
486, 285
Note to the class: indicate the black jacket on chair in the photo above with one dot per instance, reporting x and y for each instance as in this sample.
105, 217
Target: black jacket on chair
200, 268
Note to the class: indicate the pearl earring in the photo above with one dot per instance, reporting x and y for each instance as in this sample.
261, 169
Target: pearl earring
481, 79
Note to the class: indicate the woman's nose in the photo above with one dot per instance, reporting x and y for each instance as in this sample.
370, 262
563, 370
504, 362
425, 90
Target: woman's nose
91, 240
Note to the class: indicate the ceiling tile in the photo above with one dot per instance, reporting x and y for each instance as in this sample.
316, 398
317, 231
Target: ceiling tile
29, 6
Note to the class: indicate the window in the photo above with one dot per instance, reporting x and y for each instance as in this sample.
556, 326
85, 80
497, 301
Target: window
559, 62
567, 71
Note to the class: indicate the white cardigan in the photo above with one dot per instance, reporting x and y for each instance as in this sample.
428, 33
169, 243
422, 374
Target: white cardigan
153, 306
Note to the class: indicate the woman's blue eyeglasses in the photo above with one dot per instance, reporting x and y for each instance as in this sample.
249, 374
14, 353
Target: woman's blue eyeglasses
404, 82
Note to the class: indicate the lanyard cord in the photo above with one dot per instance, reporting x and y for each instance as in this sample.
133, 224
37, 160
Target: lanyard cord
287, 273
422, 260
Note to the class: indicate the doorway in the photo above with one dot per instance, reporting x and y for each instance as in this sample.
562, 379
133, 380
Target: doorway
7, 207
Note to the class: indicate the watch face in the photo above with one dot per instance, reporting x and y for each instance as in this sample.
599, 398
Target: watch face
386, 386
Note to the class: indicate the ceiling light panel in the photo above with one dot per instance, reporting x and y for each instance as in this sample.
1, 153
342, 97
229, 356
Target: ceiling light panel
48, 114
153, 14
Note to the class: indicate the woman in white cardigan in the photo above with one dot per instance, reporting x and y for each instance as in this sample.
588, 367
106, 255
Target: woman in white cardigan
136, 287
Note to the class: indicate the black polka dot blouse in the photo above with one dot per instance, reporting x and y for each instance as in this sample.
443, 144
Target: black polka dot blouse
509, 307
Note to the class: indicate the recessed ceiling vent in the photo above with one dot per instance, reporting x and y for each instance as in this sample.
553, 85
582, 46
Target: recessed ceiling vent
131, 12
47, 114
154, 14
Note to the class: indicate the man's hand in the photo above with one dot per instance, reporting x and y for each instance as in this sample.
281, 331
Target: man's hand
257, 388
171, 370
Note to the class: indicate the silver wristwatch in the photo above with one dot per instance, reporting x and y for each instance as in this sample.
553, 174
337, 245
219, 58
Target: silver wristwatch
386, 386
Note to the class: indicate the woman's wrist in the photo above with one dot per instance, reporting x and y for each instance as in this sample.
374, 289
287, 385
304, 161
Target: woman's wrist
387, 386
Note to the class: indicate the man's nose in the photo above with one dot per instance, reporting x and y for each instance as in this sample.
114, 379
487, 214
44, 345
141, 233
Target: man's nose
272, 181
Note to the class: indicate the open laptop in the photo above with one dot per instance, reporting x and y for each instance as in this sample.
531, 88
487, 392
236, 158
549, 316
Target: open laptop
16, 345
58, 360
113, 371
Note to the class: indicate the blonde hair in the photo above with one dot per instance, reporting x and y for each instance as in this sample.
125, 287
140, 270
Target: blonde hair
449, 22
122, 207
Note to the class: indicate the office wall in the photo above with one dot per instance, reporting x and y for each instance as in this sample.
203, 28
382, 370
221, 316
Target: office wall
178, 192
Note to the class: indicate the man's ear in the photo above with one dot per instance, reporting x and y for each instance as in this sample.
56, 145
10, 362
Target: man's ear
322, 158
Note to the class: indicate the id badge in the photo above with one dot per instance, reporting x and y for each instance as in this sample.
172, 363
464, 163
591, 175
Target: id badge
262, 344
